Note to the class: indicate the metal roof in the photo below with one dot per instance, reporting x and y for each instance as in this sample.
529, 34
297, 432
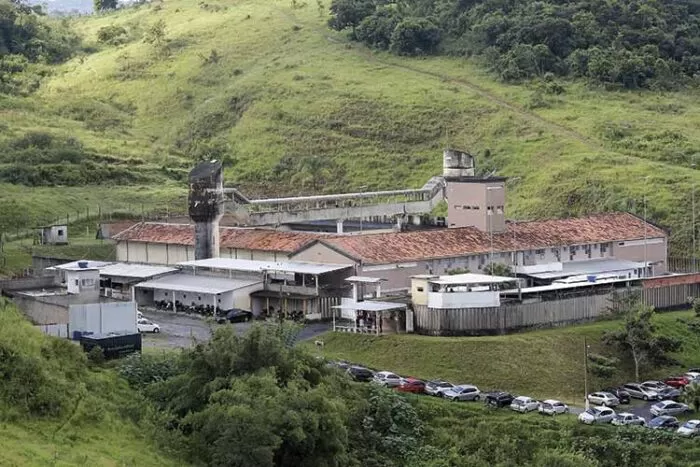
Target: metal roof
259, 266
560, 286
73, 265
580, 268
135, 271
470, 278
370, 306
365, 279
197, 284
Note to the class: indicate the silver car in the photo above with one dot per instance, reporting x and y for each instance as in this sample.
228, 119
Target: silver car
596, 415
668, 408
524, 404
603, 398
637, 391
464, 392
437, 388
626, 418
691, 428
552, 407
388, 379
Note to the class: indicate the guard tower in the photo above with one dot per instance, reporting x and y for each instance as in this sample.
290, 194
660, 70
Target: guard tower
206, 207
471, 200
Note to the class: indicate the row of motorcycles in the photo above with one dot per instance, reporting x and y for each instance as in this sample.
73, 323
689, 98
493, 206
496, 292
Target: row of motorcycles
206, 310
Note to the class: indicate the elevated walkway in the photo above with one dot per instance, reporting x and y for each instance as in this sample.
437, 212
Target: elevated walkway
363, 205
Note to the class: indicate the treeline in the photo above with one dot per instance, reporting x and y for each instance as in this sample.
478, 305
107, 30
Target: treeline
26, 37
624, 43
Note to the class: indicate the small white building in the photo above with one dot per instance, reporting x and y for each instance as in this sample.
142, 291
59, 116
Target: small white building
459, 290
53, 234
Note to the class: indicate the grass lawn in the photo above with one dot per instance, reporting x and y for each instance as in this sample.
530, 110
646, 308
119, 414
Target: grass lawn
542, 364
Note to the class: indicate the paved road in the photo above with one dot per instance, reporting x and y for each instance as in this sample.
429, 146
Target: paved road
636, 407
180, 330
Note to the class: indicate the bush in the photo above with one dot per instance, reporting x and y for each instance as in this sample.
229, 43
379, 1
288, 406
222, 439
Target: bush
112, 35
415, 37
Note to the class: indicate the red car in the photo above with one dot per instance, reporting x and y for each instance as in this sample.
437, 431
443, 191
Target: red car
678, 382
413, 385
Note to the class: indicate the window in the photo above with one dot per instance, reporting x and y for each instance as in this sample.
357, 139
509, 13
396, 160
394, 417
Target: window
419, 289
476, 208
482, 260
603, 249
540, 253
489, 210
458, 206
60, 232
77, 283
587, 250
621, 244
499, 209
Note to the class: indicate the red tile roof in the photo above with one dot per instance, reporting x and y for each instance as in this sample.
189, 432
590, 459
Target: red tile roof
247, 239
382, 248
449, 243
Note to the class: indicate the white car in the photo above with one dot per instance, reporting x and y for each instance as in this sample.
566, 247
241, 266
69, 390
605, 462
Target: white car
464, 392
626, 418
552, 407
603, 398
524, 404
691, 428
693, 376
668, 408
387, 379
139, 315
597, 415
437, 388
144, 325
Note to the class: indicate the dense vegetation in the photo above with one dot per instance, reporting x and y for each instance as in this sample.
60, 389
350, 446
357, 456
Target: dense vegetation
630, 43
258, 400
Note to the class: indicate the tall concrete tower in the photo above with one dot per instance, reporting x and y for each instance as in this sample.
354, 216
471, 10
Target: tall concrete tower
206, 206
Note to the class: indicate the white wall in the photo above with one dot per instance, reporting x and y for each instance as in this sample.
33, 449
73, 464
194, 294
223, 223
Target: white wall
103, 317
442, 300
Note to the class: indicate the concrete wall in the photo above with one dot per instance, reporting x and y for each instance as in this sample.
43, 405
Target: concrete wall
656, 251
161, 253
419, 291
26, 283
103, 317
47, 310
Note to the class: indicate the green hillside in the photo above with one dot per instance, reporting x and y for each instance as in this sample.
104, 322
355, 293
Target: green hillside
55, 409
543, 364
268, 87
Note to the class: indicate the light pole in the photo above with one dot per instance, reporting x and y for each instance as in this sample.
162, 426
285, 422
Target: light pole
585, 372
491, 212
362, 191
693, 213
515, 247
644, 199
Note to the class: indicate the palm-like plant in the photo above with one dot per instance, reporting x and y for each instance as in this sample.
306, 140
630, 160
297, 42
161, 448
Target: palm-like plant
691, 396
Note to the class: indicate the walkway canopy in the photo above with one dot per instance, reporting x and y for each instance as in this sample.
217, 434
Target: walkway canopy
369, 309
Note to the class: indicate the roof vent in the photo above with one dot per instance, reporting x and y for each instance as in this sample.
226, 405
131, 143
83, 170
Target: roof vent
82, 264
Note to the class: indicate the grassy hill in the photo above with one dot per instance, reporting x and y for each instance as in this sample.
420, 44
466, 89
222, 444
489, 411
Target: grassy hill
267, 86
57, 410
543, 364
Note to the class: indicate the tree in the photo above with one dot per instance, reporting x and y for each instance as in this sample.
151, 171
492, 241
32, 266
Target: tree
349, 13
102, 5
637, 339
415, 36
313, 171
691, 396
498, 269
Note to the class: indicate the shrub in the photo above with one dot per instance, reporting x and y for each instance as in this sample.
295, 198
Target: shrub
415, 37
112, 35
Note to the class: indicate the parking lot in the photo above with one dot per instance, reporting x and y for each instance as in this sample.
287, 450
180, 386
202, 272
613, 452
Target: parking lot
179, 330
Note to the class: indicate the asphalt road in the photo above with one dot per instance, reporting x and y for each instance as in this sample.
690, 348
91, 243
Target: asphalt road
636, 407
180, 330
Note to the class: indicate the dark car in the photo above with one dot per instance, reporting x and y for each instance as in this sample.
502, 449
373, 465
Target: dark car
670, 394
413, 385
361, 374
499, 399
664, 422
340, 364
235, 316
622, 395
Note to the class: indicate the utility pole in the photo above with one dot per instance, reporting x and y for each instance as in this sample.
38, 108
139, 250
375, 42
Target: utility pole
362, 191
491, 212
693, 213
585, 372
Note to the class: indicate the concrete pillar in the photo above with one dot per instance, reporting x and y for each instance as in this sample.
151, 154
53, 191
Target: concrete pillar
339, 226
379, 289
206, 207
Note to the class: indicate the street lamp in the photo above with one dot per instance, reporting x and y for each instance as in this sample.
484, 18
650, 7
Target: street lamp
693, 213
490, 210
644, 199
585, 372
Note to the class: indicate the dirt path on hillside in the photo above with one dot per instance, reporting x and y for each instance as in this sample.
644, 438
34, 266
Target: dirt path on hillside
359, 49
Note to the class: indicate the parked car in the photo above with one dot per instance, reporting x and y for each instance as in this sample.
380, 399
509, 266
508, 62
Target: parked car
596, 415
552, 407
670, 393
626, 418
622, 395
387, 379
664, 422
464, 392
340, 364
668, 408
637, 391
414, 385
498, 399
603, 398
524, 404
678, 382
436, 388
145, 325
139, 315
235, 315
694, 370
691, 428
694, 377
360, 373
654, 385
